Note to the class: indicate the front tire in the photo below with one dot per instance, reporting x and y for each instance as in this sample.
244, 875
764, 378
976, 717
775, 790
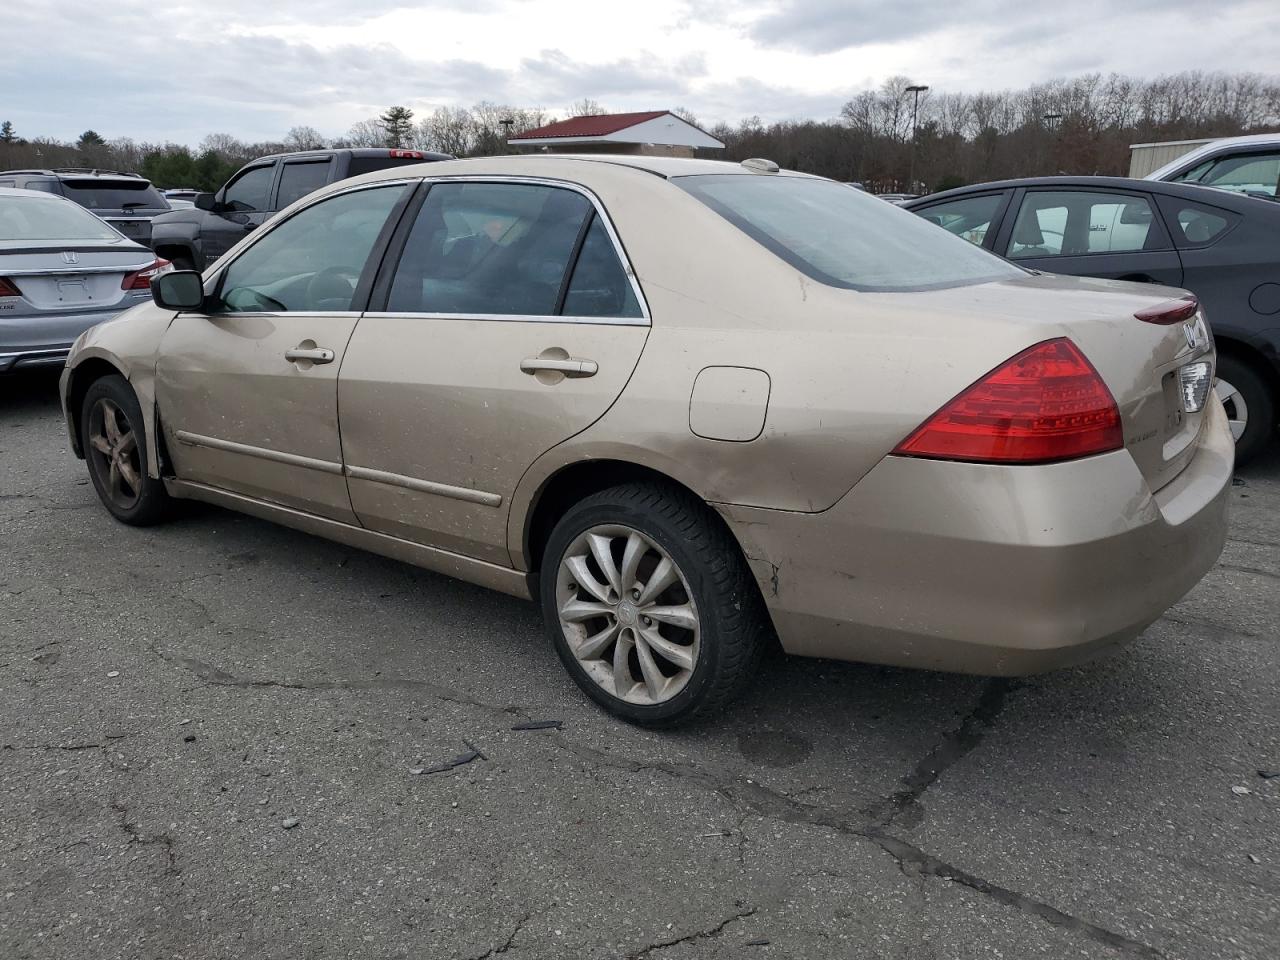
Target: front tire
650, 604
1249, 405
114, 443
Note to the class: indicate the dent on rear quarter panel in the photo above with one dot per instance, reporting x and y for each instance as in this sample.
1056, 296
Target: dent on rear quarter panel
130, 343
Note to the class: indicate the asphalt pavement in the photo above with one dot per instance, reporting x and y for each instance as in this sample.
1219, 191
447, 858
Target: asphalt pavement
221, 738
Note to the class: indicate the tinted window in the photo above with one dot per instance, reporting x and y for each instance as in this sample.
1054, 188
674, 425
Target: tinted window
299, 179
113, 194
359, 165
313, 260
48, 218
248, 193
1194, 224
1068, 223
6, 183
44, 186
969, 217
1245, 173
600, 286
488, 248
843, 237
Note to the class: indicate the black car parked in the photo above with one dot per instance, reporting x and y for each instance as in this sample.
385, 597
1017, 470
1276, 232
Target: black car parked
194, 238
1223, 247
125, 200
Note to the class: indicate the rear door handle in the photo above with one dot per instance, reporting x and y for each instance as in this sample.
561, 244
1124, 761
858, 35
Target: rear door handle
570, 368
314, 354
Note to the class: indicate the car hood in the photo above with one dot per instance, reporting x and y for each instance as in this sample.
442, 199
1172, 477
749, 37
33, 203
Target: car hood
181, 215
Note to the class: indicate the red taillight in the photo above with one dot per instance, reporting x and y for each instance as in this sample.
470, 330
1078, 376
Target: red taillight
7, 289
1169, 312
142, 279
407, 154
1046, 404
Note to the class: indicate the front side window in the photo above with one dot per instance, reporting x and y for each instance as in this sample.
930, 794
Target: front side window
1245, 173
312, 261
299, 179
1068, 223
968, 217
489, 248
249, 192
843, 237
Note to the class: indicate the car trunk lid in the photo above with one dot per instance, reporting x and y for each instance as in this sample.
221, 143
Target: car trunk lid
74, 278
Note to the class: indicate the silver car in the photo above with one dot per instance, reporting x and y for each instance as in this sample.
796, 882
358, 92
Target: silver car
62, 270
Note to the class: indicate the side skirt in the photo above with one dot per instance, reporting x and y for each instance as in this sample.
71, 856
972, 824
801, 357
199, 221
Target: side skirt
511, 582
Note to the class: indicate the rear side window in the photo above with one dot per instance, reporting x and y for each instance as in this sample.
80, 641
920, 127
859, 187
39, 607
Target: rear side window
489, 248
114, 194
1068, 223
968, 217
299, 179
842, 237
600, 286
361, 165
1194, 224
248, 192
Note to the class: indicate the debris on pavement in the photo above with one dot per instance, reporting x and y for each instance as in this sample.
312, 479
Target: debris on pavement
113, 674
460, 760
539, 725
290, 823
1241, 791
1269, 774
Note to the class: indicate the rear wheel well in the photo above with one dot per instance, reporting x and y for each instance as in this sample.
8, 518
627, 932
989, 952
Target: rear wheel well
573, 483
82, 377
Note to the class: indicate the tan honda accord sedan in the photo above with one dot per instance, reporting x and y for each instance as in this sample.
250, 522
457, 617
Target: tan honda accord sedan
688, 406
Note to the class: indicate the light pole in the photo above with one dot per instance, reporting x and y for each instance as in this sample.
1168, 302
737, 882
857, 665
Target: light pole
915, 107
1051, 121
506, 124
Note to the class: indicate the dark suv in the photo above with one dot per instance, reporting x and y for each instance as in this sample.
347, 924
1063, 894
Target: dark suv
194, 238
125, 200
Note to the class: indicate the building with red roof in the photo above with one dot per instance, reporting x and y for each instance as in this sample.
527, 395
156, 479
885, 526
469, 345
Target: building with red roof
655, 132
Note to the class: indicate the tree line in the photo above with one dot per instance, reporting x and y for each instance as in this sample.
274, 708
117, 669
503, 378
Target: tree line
895, 137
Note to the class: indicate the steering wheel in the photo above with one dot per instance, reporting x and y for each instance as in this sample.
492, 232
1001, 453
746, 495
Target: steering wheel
332, 283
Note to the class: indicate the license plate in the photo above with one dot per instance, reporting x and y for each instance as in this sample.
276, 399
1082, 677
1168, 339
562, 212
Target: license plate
73, 290
130, 228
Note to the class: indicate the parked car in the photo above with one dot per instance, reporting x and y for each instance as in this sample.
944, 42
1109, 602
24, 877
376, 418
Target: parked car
125, 200
1225, 248
1240, 164
897, 198
181, 193
61, 271
686, 404
193, 239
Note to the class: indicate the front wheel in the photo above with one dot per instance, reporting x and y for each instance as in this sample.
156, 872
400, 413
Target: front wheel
114, 443
650, 604
1249, 406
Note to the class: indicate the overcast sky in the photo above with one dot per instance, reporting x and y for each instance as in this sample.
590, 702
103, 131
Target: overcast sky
176, 70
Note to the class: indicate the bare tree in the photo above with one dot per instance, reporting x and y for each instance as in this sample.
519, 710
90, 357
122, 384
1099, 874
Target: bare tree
586, 108
304, 138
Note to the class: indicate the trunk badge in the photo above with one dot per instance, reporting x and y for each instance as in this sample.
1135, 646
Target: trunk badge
69, 256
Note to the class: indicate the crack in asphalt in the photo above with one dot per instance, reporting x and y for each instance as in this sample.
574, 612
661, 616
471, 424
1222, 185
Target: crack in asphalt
161, 839
743, 792
707, 934
499, 949
951, 749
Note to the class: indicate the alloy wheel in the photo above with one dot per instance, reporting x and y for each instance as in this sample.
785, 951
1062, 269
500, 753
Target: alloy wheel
1234, 403
628, 614
113, 449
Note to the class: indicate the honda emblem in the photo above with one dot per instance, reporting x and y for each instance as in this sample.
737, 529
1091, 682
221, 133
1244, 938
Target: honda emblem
69, 256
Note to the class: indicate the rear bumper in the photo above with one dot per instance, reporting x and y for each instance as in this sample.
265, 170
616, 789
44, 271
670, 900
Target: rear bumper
44, 339
990, 570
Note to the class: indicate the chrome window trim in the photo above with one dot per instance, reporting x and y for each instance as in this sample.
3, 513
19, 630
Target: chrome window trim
511, 318
645, 319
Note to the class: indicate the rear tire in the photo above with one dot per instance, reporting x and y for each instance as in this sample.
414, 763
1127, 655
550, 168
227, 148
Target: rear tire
671, 625
114, 442
1249, 404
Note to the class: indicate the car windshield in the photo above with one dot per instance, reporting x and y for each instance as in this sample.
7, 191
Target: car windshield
845, 238
114, 194
49, 218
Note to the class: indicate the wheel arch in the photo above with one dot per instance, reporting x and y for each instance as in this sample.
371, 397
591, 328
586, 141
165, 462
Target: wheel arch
79, 379
1256, 358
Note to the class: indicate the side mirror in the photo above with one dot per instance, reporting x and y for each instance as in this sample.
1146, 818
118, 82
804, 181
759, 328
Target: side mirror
178, 290
206, 201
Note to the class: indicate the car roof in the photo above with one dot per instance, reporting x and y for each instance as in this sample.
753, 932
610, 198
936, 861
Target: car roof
1210, 149
326, 152
1212, 196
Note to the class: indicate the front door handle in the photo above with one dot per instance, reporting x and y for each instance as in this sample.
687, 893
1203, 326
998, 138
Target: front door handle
314, 354
570, 367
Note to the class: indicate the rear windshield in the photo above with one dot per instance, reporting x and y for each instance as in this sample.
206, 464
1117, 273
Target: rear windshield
114, 194
361, 165
49, 218
844, 237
